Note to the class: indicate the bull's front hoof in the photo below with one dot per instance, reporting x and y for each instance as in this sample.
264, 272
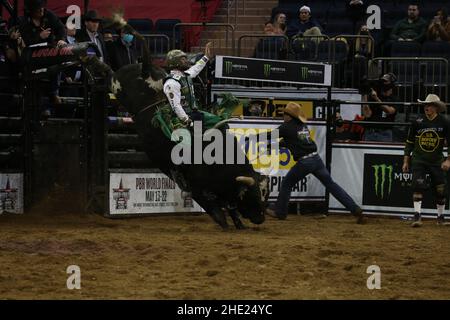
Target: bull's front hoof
240, 226
220, 219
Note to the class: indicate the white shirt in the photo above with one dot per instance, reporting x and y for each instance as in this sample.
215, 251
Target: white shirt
94, 38
172, 88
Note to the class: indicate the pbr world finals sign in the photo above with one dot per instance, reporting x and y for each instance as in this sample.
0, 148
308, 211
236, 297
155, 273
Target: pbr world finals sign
292, 72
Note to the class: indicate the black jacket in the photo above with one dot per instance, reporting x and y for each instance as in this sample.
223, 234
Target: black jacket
122, 55
30, 33
83, 36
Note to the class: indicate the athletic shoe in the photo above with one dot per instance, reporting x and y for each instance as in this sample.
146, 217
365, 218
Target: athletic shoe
417, 221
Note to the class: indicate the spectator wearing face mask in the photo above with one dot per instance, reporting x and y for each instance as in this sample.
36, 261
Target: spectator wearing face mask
123, 50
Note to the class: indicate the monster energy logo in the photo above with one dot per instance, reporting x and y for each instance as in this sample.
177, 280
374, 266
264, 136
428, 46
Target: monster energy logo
304, 72
267, 68
228, 67
383, 179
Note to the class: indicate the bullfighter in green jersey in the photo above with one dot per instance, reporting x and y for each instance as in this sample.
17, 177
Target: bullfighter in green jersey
425, 142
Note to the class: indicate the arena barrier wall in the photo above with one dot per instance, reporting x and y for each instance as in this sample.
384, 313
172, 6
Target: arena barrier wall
11, 192
309, 188
372, 175
140, 192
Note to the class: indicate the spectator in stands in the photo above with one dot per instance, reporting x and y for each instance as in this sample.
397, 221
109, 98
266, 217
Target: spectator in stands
73, 74
345, 131
108, 35
439, 28
380, 113
412, 28
70, 32
356, 11
15, 45
90, 34
41, 25
278, 26
123, 50
255, 108
363, 46
304, 24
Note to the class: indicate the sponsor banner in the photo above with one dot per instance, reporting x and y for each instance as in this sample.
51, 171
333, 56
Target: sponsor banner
308, 188
306, 73
11, 193
385, 183
312, 99
145, 193
373, 177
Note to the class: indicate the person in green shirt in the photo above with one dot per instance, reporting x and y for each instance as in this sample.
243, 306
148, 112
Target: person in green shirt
423, 154
412, 28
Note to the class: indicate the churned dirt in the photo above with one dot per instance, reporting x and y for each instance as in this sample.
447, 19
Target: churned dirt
189, 257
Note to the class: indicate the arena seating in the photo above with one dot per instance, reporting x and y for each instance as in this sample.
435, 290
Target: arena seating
144, 26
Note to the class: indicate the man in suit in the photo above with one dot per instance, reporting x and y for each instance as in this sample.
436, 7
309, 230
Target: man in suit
90, 34
123, 50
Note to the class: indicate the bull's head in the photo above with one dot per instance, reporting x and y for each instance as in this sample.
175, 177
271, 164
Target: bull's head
252, 197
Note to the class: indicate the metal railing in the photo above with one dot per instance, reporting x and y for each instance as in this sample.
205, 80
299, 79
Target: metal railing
197, 28
417, 76
406, 112
158, 44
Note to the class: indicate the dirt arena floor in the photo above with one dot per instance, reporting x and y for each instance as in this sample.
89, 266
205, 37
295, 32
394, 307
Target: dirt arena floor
189, 257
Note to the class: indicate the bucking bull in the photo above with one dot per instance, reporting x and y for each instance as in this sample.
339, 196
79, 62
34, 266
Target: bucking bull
235, 189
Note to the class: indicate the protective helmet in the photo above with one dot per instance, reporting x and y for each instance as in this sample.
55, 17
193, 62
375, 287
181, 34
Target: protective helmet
174, 58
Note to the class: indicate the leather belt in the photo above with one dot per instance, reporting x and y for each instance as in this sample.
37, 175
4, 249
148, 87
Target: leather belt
309, 155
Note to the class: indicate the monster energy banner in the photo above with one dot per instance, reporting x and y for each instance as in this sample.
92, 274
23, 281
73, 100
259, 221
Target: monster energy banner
384, 182
132, 193
373, 176
307, 73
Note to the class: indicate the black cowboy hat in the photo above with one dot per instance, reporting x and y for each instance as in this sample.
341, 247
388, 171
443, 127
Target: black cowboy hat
92, 15
32, 5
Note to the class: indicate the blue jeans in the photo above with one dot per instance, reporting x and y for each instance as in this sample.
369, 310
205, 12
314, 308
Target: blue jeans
302, 168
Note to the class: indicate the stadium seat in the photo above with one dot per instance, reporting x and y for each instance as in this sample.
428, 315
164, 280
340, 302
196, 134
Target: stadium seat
324, 51
158, 44
303, 49
436, 49
271, 48
166, 26
336, 27
405, 49
435, 73
143, 26
408, 72
339, 51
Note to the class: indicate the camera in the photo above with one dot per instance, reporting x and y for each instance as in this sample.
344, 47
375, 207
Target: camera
385, 82
367, 85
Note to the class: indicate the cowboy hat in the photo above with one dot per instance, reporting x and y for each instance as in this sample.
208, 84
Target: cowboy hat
92, 15
296, 111
434, 99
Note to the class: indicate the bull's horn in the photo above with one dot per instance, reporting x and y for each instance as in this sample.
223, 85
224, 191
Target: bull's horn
246, 180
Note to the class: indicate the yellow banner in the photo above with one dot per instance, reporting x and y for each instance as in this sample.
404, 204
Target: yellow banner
278, 106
